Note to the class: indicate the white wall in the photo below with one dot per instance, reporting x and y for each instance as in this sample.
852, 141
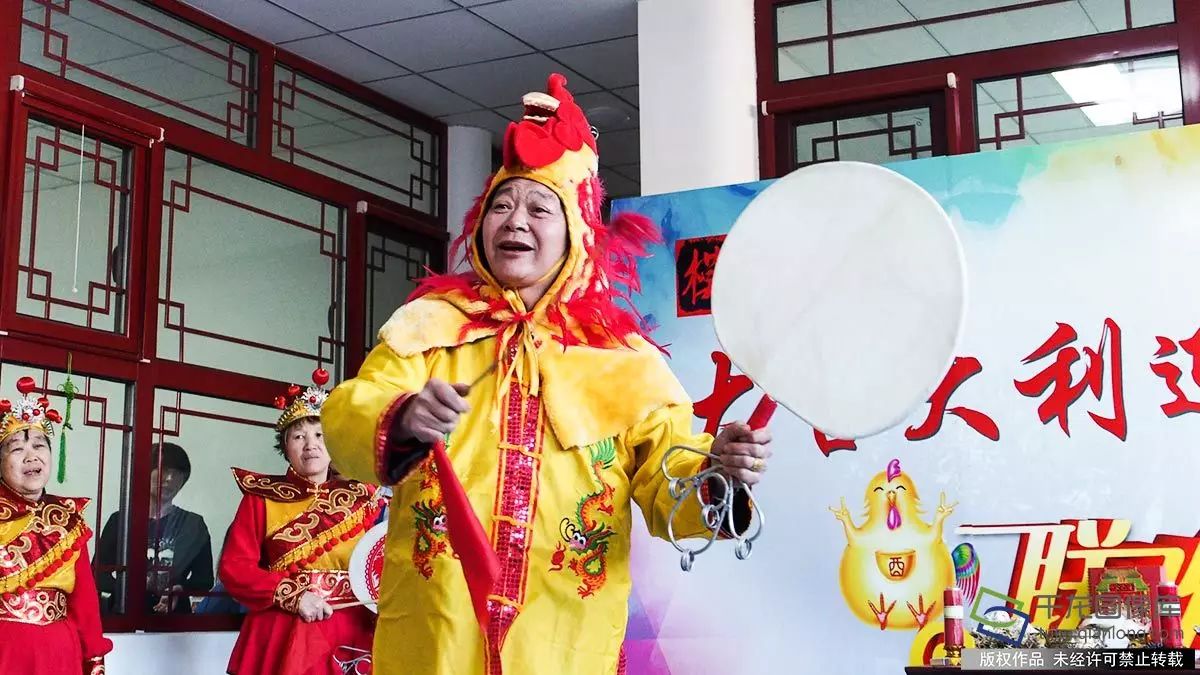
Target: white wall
175, 653
696, 77
469, 166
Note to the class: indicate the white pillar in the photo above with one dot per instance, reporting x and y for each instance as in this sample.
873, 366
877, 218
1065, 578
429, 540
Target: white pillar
470, 163
697, 96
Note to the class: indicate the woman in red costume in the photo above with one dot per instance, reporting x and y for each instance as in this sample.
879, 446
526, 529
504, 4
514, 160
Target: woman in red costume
287, 553
49, 610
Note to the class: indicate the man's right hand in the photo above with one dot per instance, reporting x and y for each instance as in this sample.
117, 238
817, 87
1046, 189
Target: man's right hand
434, 411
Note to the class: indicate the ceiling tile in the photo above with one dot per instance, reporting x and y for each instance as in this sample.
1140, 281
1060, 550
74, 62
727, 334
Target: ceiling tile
421, 94
501, 83
561, 24
628, 94
260, 18
484, 119
620, 147
617, 186
511, 112
612, 64
438, 41
345, 58
604, 111
607, 112
339, 16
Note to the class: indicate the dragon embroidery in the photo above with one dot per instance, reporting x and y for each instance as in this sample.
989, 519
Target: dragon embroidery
585, 533
429, 521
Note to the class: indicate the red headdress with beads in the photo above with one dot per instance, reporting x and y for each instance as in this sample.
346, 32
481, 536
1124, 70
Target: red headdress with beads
27, 412
300, 403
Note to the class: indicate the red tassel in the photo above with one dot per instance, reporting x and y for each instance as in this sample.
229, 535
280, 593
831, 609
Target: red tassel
481, 567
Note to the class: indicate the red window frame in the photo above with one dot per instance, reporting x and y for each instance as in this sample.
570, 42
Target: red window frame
36, 100
131, 358
955, 76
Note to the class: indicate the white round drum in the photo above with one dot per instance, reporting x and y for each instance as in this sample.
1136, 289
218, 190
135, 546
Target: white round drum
841, 291
366, 566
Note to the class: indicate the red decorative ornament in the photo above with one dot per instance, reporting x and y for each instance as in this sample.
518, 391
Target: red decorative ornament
312, 400
25, 417
26, 384
53, 416
293, 390
320, 377
280, 402
44, 402
5, 406
36, 412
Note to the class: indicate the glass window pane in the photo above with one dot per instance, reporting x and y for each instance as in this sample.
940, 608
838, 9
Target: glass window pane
97, 455
324, 130
147, 57
801, 20
215, 435
69, 273
392, 269
252, 274
878, 139
1100, 100
873, 33
806, 60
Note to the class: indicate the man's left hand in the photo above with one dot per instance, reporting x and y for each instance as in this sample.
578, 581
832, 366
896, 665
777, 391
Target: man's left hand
743, 453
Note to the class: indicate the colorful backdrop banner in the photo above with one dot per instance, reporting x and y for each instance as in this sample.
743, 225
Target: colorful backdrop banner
1062, 439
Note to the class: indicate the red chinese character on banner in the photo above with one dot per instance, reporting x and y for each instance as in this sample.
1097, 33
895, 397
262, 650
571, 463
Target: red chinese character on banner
963, 369
1058, 376
698, 276
827, 445
1171, 373
726, 389
695, 262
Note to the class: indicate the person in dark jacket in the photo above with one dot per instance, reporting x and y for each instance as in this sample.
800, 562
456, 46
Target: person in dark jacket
178, 546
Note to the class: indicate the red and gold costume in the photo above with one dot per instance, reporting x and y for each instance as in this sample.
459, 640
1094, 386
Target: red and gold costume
556, 448
49, 609
290, 536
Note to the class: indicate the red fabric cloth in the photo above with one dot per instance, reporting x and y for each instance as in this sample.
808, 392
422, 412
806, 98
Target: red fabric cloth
275, 642
61, 647
272, 641
83, 609
45, 650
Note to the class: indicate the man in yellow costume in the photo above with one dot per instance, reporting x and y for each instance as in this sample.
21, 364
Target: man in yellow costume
569, 413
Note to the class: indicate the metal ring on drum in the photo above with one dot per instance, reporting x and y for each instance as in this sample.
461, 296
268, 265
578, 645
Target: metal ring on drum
715, 514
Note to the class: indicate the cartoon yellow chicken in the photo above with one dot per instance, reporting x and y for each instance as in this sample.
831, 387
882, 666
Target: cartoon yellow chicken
894, 556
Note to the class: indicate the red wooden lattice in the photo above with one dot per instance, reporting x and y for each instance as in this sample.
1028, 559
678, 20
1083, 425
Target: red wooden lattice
48, 145
290, 144
51, 23
177, 199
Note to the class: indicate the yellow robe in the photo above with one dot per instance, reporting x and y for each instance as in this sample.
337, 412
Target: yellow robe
559, 517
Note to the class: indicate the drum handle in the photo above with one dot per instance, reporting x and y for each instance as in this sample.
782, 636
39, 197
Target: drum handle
762, 412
